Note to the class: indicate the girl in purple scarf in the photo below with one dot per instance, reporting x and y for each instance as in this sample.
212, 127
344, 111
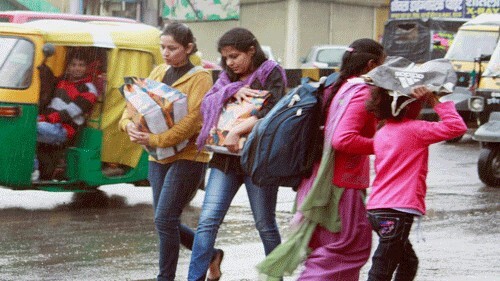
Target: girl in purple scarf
229, 85
247, 73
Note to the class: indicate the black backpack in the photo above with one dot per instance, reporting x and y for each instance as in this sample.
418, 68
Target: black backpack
282, 146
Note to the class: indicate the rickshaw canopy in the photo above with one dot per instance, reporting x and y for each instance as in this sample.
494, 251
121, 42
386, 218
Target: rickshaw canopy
18, 29
105, 34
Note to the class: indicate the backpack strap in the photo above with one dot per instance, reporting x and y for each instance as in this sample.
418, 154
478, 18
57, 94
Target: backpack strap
331, 79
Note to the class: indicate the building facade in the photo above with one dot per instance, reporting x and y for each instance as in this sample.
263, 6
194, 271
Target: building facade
292, 27
289, 27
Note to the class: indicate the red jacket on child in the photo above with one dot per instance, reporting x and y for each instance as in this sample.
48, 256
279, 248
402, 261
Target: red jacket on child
72, 101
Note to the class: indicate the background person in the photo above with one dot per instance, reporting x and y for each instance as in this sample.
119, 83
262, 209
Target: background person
176, 178
398, 191
246, 71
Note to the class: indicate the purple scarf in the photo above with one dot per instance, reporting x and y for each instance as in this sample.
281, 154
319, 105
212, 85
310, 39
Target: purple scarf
224, 89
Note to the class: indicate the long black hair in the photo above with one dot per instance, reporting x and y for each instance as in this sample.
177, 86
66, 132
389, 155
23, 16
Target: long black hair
355, 61
182, 34
242, 40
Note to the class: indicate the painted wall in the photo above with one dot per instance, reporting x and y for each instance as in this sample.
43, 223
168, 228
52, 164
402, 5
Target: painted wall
272, 22
207, 35
268, 23
319, 22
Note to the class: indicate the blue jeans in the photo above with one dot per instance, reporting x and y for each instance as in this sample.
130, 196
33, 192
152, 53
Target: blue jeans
219, 192
50, 133
394, 251
172, 184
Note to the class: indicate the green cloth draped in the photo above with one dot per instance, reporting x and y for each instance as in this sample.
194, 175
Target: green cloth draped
320, 206
285, 258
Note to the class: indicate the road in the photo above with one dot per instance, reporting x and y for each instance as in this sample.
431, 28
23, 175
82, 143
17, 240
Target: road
110, 235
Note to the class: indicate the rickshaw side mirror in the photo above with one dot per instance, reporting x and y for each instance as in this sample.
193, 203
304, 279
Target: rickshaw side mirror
482, 58
48, 50
485, 57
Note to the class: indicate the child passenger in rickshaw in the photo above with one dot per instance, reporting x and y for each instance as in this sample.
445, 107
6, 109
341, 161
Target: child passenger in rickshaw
72, 100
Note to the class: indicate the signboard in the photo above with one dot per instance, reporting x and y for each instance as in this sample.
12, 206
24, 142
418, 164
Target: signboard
442, 8
201, 10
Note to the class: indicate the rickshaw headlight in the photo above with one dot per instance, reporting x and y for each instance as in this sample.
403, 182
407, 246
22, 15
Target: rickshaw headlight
476, 104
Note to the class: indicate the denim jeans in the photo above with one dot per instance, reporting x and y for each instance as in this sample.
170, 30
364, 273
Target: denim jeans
394, 251
172, 184
219, 192
51, 133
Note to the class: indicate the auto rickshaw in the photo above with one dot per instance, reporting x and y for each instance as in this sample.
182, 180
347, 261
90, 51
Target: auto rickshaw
475, 39
485, 103
27, 50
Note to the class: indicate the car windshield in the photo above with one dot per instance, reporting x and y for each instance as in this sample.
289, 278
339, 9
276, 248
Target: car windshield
16, 62
332, 57
493, 68
469, 44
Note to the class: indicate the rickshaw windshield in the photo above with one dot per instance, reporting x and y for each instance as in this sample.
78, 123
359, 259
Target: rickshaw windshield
493, 68
469, 44
16, 62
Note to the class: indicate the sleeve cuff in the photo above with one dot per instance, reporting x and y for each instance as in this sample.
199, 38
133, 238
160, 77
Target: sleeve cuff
153, 140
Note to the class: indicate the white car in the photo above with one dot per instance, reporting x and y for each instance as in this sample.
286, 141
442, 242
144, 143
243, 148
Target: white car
324, 56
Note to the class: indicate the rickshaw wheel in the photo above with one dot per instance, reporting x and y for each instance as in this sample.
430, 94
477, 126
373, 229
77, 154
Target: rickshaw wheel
488, 166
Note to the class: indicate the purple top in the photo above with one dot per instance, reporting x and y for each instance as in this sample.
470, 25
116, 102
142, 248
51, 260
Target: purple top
223, 90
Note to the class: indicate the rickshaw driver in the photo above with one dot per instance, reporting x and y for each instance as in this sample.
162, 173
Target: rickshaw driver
73, 99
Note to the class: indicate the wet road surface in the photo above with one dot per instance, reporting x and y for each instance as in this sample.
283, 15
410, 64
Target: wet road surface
109, 235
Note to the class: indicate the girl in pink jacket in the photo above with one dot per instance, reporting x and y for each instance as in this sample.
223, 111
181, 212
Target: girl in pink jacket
333, 234
401, 149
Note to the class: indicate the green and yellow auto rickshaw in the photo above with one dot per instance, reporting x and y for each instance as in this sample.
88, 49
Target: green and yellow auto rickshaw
27, 52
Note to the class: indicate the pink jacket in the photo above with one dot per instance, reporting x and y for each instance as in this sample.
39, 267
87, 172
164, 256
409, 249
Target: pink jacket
352, 141
402, 150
